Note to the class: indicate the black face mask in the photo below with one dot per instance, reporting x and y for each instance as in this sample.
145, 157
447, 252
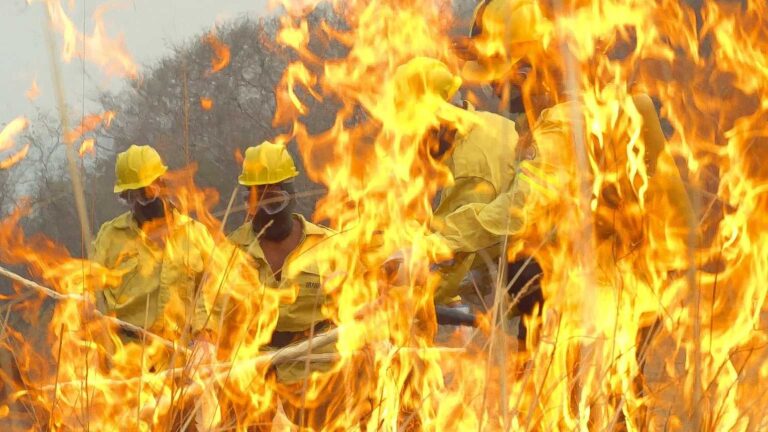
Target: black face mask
149, 211
280, 223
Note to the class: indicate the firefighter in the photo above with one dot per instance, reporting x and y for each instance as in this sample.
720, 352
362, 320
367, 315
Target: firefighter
158, 286
281, 244
160, 256
508, 36
503, 34
490, 181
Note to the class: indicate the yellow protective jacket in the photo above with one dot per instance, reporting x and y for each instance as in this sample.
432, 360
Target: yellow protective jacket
667, 216
302, 273
160, 281
493, 180
480, 207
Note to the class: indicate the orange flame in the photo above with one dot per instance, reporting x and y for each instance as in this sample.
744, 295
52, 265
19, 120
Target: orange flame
206, 103
33, 92
653, 245
110, 54
86, 147
13, 128
221, 53
88, 124
14, 158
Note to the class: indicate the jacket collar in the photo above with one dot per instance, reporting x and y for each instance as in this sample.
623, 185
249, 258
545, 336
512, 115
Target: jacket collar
246, 238
126, 220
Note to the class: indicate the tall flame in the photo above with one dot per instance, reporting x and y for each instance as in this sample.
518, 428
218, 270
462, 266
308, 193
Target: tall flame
653, 245
109, 53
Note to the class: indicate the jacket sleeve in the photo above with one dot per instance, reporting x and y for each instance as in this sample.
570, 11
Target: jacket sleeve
103, 298
671, 218
653, 136
478, 225
466, 190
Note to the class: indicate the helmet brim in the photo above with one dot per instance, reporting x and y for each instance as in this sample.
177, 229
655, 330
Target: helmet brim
482, 72
140, 185
243, 181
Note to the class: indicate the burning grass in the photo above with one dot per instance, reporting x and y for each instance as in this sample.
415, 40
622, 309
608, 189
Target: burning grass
654, 274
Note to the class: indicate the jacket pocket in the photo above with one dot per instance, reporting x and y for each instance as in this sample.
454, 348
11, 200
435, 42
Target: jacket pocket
127, 268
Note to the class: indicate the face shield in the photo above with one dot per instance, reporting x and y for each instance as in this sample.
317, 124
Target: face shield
272, 199
143, 197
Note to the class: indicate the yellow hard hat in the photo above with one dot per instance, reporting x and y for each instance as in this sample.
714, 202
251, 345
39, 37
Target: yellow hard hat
267, 163
137, 167
503, 31
422, 89
423, 76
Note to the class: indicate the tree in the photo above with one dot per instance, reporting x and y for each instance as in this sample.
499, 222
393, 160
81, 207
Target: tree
164, 109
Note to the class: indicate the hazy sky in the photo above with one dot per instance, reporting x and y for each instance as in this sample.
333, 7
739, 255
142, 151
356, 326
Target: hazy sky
148, 26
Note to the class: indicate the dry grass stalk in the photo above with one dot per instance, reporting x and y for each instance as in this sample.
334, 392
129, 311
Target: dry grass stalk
59, 296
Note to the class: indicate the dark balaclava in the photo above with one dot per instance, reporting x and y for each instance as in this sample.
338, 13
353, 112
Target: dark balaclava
278, 225
145, 204
155, 209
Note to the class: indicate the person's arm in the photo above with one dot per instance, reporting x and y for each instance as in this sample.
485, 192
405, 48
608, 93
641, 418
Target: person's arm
452, 210
465, 190
653, 136
103, 301
477, 226
668, 200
